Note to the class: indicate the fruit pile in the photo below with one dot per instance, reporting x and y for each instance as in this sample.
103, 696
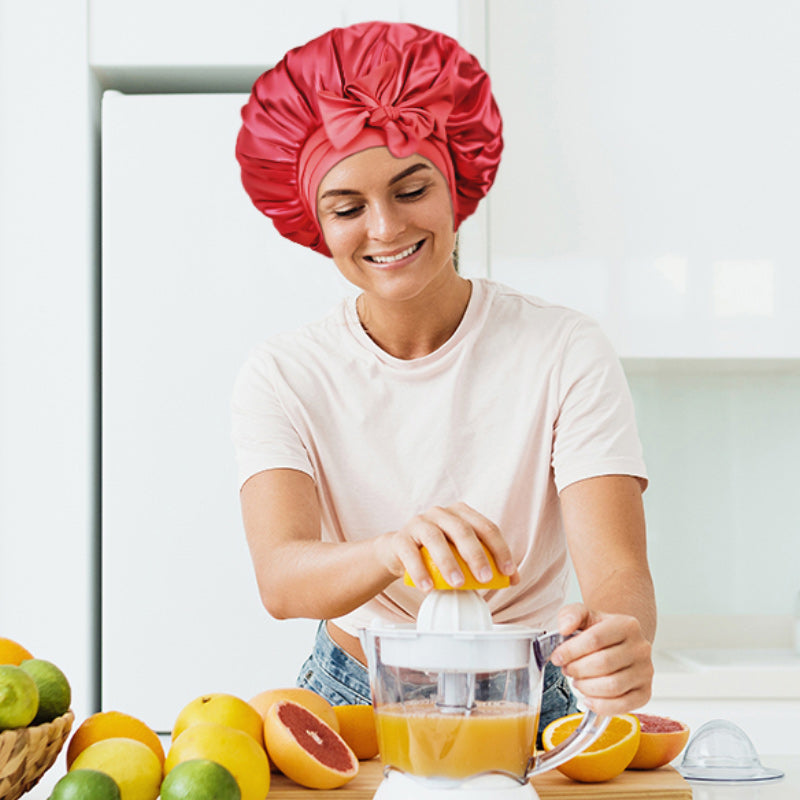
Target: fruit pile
222, 748
32, 691
631, 741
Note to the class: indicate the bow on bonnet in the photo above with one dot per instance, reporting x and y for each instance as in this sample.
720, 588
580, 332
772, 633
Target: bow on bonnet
393, 84
377, 101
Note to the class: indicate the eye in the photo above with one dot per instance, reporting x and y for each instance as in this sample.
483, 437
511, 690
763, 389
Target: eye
344, 213
413, 194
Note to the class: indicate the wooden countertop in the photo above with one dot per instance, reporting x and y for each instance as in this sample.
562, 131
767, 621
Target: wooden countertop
660, 784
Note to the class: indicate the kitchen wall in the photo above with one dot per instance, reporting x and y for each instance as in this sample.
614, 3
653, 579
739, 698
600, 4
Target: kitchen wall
721, 444
48, 258
654, 186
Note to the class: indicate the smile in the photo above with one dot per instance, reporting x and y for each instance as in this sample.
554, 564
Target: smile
397, 257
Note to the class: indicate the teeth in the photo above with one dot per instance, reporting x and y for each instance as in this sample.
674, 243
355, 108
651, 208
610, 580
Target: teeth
391, 259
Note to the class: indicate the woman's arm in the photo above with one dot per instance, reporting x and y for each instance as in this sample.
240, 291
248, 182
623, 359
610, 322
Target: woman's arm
298, 575
610, 662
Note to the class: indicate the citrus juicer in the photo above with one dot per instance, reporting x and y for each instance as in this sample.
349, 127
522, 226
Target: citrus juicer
457, 700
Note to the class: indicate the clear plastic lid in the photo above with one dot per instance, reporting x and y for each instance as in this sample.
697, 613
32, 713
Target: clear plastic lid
721, 751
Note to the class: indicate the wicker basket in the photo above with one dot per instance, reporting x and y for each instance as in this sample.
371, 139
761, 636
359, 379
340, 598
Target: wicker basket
27, 753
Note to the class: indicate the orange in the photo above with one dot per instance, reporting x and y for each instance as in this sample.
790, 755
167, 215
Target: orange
662, 740
223, 709
314, 702
603, 760
306, 749
111, 725
12, 652
497, 581
231, 748
357, 728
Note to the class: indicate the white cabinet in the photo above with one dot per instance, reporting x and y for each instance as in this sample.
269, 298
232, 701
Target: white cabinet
212, 44
192, 277
651, 169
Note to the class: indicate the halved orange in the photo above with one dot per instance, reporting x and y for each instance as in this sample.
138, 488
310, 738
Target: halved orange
497, 581
605, 758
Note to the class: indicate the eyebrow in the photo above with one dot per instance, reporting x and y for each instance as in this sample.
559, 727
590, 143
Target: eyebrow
400, 175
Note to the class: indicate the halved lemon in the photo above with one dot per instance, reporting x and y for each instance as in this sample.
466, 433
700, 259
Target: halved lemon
606, 758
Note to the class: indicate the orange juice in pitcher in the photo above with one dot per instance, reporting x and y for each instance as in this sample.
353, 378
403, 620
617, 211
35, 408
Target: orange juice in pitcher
418, 738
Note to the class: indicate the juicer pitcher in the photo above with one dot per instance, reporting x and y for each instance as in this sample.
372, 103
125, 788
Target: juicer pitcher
459, 711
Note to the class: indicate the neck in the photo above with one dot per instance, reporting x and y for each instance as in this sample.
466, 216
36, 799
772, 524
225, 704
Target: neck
414, 328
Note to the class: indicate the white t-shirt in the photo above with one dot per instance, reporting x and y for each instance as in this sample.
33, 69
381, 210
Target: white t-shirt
525, 398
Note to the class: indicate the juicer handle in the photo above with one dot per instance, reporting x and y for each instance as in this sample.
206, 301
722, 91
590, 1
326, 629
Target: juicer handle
592, 724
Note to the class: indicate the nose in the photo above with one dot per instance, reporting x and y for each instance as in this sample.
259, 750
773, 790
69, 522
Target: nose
384, 222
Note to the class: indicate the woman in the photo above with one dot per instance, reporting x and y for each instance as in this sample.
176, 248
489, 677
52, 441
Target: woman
430, 409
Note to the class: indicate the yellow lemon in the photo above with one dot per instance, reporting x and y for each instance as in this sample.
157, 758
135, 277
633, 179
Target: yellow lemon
234, 749
133, 765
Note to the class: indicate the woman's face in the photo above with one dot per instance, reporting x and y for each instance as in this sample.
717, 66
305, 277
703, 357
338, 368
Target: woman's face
388, 223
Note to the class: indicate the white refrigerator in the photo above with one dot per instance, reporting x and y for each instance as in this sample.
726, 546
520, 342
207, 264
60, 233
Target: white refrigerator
192, 277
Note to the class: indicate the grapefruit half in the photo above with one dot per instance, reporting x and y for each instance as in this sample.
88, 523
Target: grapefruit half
306, 749
660, 741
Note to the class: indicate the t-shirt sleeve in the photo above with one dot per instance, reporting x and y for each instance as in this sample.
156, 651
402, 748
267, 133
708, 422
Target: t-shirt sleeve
595, 430
264, 436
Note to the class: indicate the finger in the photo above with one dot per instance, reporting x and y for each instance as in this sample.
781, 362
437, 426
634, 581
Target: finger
490, 535
611, 659
455, 532
617, 693
573, 617
406, 547
623, 704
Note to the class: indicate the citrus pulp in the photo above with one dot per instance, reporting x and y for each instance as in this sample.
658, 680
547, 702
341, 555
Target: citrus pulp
306, 749
314, 702
662, 740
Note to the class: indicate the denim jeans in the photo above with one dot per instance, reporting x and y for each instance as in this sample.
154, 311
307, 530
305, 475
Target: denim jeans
342, 680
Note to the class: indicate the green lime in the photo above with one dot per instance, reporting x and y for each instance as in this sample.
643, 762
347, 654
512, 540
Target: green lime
86, 784
200, 779
55, 694
19, 698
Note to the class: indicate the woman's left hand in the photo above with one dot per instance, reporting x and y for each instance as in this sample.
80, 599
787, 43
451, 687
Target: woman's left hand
609, 661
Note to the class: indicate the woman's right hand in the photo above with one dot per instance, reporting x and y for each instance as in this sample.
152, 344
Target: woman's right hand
437, 529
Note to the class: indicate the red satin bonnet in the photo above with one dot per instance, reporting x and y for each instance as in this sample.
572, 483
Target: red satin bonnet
372, 84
